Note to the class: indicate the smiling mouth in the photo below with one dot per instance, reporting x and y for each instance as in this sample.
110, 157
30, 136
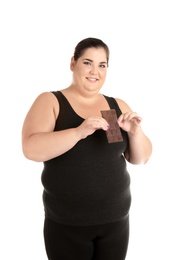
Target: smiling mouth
92, 79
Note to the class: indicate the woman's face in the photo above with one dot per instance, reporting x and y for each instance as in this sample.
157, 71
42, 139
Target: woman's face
89, 71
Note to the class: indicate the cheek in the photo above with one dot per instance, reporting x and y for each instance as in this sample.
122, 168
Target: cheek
81, 71
78, 74
103, 74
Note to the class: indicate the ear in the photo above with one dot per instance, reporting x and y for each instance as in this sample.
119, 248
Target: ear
72, 63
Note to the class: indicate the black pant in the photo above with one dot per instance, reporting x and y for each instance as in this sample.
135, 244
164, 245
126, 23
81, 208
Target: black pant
98, 242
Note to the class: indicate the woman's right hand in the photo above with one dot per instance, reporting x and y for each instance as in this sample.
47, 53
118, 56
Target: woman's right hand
91, 124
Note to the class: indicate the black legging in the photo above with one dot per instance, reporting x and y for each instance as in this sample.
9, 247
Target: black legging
98, 242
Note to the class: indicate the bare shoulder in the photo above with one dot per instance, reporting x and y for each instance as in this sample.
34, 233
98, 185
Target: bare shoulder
46, 97
46, 100
42, 114
45, 104
123, 105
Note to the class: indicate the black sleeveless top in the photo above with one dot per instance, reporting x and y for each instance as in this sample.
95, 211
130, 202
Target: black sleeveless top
89, 184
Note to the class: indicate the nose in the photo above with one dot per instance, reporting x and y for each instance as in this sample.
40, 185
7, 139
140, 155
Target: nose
94, 70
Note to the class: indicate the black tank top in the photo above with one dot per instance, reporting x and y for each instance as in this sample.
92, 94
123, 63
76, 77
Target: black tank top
89, 184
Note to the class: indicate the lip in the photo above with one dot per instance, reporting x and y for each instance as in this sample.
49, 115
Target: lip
91, 79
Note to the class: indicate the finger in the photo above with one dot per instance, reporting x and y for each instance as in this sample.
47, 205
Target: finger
129, 116
101, 123
123, 117
138, 118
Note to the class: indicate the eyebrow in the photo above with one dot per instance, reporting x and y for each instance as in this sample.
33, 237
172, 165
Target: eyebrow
102, 62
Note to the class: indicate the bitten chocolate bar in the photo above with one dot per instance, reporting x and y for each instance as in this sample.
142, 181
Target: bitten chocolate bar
113, 133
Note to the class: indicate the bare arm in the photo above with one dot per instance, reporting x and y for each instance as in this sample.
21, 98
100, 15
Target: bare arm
39, 140
140, 147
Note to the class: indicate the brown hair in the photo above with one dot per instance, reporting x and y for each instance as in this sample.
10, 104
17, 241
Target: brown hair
89, 43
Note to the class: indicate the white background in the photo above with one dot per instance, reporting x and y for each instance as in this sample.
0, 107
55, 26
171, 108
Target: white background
37, 39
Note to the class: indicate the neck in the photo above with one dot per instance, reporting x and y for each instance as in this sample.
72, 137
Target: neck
82, 93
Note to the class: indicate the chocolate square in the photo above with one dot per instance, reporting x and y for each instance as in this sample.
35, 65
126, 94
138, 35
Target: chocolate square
113, 133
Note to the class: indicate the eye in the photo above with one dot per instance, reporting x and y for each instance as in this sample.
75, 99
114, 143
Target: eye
103, 66
87, 63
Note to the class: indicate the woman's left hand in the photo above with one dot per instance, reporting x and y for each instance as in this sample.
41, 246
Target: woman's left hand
129, 122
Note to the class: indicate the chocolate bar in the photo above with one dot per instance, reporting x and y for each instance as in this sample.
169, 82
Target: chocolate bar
113, 133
